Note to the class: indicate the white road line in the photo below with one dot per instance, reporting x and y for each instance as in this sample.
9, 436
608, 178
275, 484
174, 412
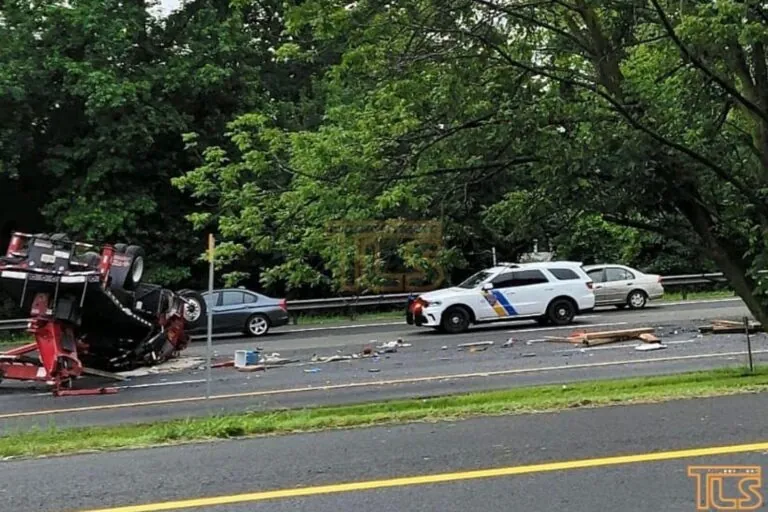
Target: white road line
573, 327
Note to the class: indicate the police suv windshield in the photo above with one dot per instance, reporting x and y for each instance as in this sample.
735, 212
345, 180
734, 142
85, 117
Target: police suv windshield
475, 279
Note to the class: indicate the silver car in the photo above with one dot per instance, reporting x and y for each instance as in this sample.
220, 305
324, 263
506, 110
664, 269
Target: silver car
620, 286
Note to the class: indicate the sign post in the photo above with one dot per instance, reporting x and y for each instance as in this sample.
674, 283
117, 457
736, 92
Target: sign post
209, 309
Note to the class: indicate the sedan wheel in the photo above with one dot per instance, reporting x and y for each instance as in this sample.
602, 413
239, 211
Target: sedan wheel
258, 325
637, 299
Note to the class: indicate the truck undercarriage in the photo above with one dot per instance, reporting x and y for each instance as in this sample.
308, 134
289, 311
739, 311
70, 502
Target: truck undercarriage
90, 310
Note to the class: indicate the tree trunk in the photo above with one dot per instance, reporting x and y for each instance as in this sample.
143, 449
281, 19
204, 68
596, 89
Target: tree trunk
734, 267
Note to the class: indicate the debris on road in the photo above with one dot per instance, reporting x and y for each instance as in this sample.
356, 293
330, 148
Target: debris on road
591, 339
509, 343
245, 358
476, 344
392, 346
172, 366
730, 327
373, 370
312, 370
252, 368
645, 347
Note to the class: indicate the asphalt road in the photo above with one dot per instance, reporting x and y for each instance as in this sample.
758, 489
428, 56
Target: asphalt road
571, 450
432, 365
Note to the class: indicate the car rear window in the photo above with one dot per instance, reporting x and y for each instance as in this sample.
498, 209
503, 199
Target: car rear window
564, 274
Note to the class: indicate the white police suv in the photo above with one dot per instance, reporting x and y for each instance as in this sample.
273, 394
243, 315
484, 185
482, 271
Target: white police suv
552, 292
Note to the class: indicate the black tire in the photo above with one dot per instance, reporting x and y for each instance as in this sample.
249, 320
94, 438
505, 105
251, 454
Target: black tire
257, 325
136, 270
637, 299
195, 310
455, 320
120, 248
561, 311
92, 259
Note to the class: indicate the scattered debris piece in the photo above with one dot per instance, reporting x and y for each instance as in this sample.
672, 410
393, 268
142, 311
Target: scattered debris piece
102, 373
509, 343
479, 349
373, 370
591, 339
171, 366
275, 360
476, 344
252, 368
649, 338
645, 347
224, 364
444, 347
312, 370
392, 346
529, 354
330, 359
245, 358
730, 327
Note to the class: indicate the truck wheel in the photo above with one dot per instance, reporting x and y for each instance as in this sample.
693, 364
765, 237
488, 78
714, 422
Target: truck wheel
136, 268
455, 320
561, 311
195, 309
92, 259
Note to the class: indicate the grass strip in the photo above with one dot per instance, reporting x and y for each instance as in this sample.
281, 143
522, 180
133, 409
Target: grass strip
55, 441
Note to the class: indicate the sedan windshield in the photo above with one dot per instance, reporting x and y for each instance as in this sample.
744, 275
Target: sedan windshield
475, 280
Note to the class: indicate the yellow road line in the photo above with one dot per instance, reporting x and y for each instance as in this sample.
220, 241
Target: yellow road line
351, 385
438, 478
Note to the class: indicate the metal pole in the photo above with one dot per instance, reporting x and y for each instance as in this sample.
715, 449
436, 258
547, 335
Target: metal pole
493, 250
209, 309
749, 344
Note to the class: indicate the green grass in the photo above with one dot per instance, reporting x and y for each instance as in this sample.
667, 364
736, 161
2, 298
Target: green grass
399, 314
53, 440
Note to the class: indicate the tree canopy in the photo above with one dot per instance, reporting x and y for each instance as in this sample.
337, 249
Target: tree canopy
630, 130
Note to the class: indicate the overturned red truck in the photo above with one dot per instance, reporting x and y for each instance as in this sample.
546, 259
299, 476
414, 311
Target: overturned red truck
90, 309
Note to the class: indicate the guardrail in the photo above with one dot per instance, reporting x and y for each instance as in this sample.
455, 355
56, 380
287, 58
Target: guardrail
392, 299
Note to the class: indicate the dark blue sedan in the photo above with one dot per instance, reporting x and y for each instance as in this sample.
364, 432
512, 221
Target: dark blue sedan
240, 310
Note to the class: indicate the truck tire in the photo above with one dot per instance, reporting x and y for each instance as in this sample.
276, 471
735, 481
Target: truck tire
195, 310
120, 248
136, 268
92, 259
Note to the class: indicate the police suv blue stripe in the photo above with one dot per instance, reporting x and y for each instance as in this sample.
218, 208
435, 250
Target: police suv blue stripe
504, 302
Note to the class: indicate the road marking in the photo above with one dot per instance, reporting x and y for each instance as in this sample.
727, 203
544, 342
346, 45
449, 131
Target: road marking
441, 478
353, 385
572, 327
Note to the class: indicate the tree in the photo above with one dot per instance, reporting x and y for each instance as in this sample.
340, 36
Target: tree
96, 95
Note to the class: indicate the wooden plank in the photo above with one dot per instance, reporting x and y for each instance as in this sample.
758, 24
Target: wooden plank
604, 341
649, 338
631, 333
